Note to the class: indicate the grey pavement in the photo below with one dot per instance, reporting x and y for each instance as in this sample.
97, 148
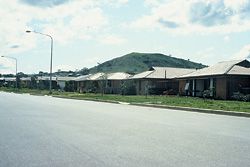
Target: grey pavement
38, 131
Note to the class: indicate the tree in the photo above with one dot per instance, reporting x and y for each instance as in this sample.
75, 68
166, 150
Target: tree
33, 82
84, 71
104, 78
128, 88
69, 86
21, 75
18, 81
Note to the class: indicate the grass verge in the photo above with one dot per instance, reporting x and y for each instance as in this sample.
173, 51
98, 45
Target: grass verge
167, 100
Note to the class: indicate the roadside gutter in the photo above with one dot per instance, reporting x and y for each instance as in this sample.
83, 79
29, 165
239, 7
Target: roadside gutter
200, 110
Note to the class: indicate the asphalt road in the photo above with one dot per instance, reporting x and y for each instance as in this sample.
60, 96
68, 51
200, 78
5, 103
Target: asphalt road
44, 131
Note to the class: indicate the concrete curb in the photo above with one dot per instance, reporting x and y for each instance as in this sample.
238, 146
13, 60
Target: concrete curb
207, 111
87, 99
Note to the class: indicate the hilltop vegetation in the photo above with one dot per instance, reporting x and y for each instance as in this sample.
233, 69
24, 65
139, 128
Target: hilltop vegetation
138, 62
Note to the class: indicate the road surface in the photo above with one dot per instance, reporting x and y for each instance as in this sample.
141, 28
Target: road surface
40, 131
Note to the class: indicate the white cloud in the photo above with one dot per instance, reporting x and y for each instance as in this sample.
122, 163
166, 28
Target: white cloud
208, 56
236, 5
7, 66
204, 53
72, 20
153, 2
196, 16
226, 38
82, 26
12, 28
84, 18
116, 3
112, 39
244, 53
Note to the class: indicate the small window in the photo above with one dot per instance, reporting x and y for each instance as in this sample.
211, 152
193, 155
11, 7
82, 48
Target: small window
187, 86
109, 83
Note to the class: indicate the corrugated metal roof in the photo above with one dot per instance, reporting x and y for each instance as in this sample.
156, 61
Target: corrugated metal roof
163, 73
220, 68
8, 79
104, 76
65, 78
83, 77
239, 70
141, 75
25, 79
45, 78
97, 76
169, 72
118, 76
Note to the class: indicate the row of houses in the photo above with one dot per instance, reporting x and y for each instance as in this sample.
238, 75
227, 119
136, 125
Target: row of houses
220, 81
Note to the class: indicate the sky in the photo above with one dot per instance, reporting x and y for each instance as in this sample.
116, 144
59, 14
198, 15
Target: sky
88, 32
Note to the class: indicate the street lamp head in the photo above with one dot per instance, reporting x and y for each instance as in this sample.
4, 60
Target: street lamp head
28, 31
2, 56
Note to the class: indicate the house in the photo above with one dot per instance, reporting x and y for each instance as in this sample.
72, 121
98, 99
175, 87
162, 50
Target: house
8, 81
57, 82
88, 83
101, 82
159, 80
25, 82
43, 82
115, 82
221, 80
81, 83
62, 81
2, 81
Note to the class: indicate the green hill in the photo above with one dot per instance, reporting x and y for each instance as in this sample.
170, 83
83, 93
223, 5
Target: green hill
138, 62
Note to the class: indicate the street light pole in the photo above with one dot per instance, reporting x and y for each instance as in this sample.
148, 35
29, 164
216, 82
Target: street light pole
51, 54
16, 65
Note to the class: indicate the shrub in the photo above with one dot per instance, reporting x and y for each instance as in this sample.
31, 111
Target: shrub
240, 97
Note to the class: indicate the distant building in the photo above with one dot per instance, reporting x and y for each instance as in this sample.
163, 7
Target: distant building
25, 82
57, 82
61, 81
8, 81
